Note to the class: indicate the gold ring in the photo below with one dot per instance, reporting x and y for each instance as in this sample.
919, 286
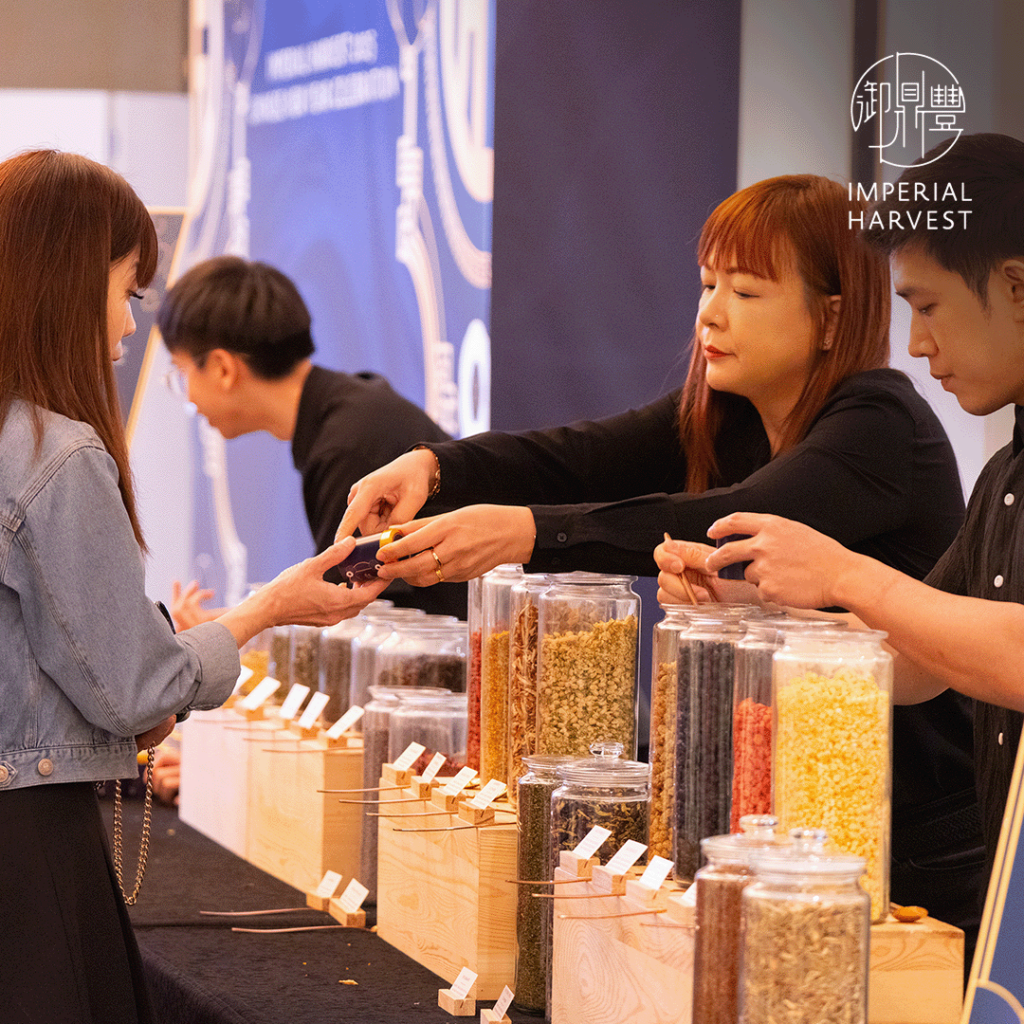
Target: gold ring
437, 571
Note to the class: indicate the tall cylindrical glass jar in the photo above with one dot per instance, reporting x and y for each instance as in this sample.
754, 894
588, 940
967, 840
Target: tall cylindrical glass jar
336, 662
812, 907
435, 719
376, 722
533, 936
279, 665
833, 744
255, 653
719, 886
377, 626
305, 656
662, 748
703, 791
474, 615
587, 663
495, 601
522, 673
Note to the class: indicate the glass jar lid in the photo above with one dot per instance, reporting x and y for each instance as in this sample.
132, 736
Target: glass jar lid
605, 768
758, 832
590, 579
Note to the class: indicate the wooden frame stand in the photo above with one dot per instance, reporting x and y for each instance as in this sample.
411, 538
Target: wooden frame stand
456, 1007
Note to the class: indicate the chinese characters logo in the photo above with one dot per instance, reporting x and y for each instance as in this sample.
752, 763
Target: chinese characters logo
910, 102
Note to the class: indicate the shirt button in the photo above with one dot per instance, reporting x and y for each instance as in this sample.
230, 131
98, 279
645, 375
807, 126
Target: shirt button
4, 775
562, 538
45, 767
1007, 499
998, 581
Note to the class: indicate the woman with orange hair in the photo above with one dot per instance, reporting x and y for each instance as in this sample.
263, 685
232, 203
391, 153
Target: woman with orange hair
90, 671
788, 407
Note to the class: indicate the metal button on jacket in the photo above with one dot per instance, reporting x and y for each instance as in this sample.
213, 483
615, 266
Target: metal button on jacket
45, 767
4, 775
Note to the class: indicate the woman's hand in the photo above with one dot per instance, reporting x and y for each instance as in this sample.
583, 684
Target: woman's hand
392, 494
155, 736
459, 545
680, 560
791, 564
187, 605
300, 595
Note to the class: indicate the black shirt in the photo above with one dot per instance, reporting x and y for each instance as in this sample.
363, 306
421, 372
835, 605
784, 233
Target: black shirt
349, 425
983, 562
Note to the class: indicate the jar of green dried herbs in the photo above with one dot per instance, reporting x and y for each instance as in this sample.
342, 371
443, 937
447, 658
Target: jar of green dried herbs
662, 748
805, 939
719, 886
533, 916
522, 672
705, 668
587, 663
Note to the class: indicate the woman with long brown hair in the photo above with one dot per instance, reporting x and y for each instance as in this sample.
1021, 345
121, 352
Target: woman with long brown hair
789, 408
91, 671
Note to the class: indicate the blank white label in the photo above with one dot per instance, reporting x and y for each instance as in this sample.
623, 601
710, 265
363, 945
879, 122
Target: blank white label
328, 885
627, 856
405, 760
296, 695
353, 896
347, 720
460, 782
261, 694
312, 713
587, 846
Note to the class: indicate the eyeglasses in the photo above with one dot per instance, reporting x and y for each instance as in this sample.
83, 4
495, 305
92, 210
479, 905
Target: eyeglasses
176, 382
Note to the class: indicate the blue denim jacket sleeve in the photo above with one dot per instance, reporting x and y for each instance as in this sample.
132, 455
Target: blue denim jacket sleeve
76, 567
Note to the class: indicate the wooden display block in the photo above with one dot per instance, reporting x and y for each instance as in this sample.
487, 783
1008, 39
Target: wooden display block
349, 918
606, 882
916, 973
295, 832
456, 1007
639, 969
216, 769
576, 866
444, 801
444, 899
393, 776
490, 1017
421, 790
476, 815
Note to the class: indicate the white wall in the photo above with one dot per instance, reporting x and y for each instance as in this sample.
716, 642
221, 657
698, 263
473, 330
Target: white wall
144, 136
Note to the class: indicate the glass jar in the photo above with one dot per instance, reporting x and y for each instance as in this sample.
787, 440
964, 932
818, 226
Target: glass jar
255, 653
719, 886
662, 748
437, 719
811, 906
474, 614
336, 663
279, 664
587, 663
495, 600
705, 678
600, 790
304, 656
377, 626
533, 916
430, 651
522, 673
833, 744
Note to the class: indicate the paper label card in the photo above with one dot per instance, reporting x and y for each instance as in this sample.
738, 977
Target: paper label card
462, 984
656, 872
353, 896
312, 713
630, 852
260, 694
328, 885
460, 782
587, 846
488, 794
503, 1003
436, 764
408, 756
296, 695
347, 720
243, 677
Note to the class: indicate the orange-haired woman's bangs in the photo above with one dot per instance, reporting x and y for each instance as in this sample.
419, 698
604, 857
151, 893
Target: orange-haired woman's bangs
748, 234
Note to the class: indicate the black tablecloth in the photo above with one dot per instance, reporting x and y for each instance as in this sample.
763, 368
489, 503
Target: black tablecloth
201, 972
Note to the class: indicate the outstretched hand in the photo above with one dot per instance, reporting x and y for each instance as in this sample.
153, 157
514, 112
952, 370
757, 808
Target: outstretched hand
459, 545
187, 605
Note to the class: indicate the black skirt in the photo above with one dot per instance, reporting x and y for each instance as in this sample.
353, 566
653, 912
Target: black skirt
67, 951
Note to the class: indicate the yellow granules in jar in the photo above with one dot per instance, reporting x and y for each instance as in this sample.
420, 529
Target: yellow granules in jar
832, 766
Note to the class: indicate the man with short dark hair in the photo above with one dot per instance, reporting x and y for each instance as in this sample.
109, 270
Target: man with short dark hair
239, 336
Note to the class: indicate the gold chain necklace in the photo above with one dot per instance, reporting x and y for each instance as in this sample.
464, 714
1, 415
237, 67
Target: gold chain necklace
147, 809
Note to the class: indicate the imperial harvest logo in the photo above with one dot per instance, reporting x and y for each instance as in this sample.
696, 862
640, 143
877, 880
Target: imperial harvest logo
910, 102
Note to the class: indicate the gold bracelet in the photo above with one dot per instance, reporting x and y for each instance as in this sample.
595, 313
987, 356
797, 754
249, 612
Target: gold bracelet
437, 469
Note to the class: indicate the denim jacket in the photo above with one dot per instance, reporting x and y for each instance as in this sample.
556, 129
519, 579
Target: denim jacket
87, 661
